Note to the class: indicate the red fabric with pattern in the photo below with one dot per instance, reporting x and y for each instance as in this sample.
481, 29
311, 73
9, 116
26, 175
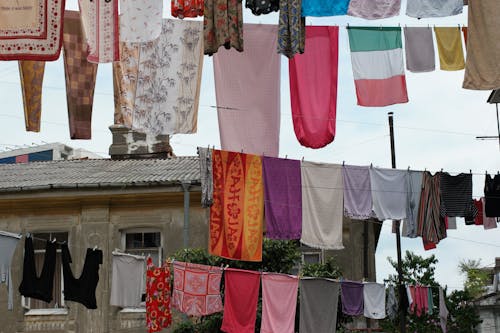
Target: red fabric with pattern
158, 315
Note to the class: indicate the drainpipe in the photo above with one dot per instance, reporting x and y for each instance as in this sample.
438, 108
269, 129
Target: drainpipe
185, 187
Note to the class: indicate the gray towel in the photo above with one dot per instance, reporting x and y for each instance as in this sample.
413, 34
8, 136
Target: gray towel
413, 203
206, 175
419, 49
392, 303
318, 305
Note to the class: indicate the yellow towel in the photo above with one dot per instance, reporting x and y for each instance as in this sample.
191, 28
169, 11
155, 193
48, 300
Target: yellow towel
451, 54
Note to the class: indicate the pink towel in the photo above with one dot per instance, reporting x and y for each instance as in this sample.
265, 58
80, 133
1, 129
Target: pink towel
313, 87
279, 302
247, 86
240, 300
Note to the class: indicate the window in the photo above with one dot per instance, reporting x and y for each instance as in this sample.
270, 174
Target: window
143, 242
311, 255
39, 242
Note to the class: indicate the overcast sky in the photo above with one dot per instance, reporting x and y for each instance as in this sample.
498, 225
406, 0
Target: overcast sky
436, 130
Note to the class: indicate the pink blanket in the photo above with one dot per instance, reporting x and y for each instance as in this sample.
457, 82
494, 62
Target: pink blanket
247, 86
313, 87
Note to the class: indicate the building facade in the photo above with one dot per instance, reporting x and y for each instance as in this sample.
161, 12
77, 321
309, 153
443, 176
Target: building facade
142, 206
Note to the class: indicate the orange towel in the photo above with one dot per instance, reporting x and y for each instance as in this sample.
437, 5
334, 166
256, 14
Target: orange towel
236, 216
31, 73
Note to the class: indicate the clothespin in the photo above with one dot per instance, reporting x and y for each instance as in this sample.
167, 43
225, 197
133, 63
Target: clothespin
343, 163
459, 27
371, 165
470, 170
286, 157
54, 240
95, 248
408, 168
302, 158
28, 235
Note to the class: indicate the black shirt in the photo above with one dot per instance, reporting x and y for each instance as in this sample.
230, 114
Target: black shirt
82, 290
492, 196
32, 285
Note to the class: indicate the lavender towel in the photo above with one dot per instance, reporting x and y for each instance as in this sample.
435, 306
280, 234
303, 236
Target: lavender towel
318, 305
352, 298
247, 89
357, 192
419, 49
282, 198
374, 9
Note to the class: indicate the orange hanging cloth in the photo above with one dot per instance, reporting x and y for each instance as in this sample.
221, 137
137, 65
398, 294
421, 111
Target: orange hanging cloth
31, 73
236, 216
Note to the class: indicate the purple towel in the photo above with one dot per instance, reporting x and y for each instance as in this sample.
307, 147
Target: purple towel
357, 192
282, 198
352, 298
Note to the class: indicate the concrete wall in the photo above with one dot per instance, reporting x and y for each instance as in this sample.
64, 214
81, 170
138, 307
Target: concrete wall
89, 223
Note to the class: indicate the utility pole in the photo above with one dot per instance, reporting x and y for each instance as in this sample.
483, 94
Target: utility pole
402, 312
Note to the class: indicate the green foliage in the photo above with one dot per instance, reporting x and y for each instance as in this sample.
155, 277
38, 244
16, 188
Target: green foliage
463, 312
418, 270
327, 270
476, 278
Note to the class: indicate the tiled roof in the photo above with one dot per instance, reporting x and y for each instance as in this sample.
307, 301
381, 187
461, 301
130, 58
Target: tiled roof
98, 173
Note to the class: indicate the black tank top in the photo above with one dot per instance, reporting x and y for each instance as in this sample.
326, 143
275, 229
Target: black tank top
82, 290
492, 196
33, 286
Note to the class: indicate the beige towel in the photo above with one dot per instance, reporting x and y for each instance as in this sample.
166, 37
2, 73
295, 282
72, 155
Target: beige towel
482, 70
322, 205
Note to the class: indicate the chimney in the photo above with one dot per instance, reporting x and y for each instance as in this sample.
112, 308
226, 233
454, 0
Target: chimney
130, 144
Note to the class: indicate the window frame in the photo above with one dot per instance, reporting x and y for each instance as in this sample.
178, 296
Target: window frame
123, 244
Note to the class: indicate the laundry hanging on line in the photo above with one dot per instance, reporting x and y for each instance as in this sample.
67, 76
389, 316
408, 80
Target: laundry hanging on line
8, 243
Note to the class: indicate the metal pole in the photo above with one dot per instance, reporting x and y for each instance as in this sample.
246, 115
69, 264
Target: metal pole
402, 312
185, 187
498, 127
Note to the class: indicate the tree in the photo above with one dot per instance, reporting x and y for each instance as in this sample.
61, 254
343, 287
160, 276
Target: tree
417, 270
476, 278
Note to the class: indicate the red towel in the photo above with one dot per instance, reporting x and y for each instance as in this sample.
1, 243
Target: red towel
240, 300
313, 87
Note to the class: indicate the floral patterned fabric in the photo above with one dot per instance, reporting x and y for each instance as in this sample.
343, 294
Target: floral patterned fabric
223, 25
259, 7
187, 8
197, 289
100, 23
159, 81
292, 28
158, 314
140, 20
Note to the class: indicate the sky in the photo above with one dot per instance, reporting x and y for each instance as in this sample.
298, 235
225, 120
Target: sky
436, 130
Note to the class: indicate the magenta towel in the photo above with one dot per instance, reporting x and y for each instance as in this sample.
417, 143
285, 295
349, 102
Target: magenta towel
313, 87
282, 198
357, 192
247, 88
352, 298
279, 303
